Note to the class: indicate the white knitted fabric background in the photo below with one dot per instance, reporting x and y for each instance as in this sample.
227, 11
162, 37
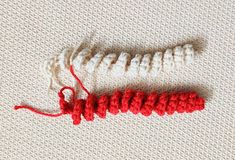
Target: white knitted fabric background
32, 31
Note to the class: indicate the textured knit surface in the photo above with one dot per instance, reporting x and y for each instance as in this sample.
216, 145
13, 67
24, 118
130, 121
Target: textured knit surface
32, 31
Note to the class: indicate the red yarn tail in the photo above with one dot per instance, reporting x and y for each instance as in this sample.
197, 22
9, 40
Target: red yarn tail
78, 80
37, 111
65, 107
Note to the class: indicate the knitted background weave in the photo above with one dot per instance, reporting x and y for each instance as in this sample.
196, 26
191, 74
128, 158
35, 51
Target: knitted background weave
31, 31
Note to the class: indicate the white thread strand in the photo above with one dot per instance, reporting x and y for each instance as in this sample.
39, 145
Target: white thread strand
118, 65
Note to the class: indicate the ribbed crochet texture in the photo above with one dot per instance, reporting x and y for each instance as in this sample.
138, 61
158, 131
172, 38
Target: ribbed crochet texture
118, 65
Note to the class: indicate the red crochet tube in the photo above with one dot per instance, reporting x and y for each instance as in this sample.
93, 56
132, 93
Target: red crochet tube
129, 100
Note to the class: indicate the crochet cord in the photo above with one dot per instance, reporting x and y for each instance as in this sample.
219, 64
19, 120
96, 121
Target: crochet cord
118, 65
129, 100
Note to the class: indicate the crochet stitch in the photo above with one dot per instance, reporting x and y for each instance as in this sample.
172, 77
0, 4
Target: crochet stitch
139, 65
130, 100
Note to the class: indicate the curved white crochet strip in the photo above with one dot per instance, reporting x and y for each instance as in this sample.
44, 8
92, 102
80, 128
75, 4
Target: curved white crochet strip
168, 60
118, 65
64, 57
189, 53
157, 63
50, 70
107, 61
145, 65
82, 58
178, 56
94, 62
134, 65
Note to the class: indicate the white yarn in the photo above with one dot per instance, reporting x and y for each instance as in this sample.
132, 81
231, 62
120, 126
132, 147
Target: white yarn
94, 62
189, 53
168, 60
134, 65
108, 60
82, 58
118, 65
145, 65
64, 57
50, 70
157, 63
178, 56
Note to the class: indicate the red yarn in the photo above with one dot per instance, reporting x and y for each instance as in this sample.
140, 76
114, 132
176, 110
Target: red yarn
126, 100
103, 104
162, 104
149, 104
90, 107
77, 111
137, 102
134, 101
115, 102
37, 111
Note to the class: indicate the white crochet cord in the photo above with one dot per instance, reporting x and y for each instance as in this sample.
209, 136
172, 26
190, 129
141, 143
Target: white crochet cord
139, 65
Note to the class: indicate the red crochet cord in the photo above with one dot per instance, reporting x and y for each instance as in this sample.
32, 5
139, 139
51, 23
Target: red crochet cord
134, 101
